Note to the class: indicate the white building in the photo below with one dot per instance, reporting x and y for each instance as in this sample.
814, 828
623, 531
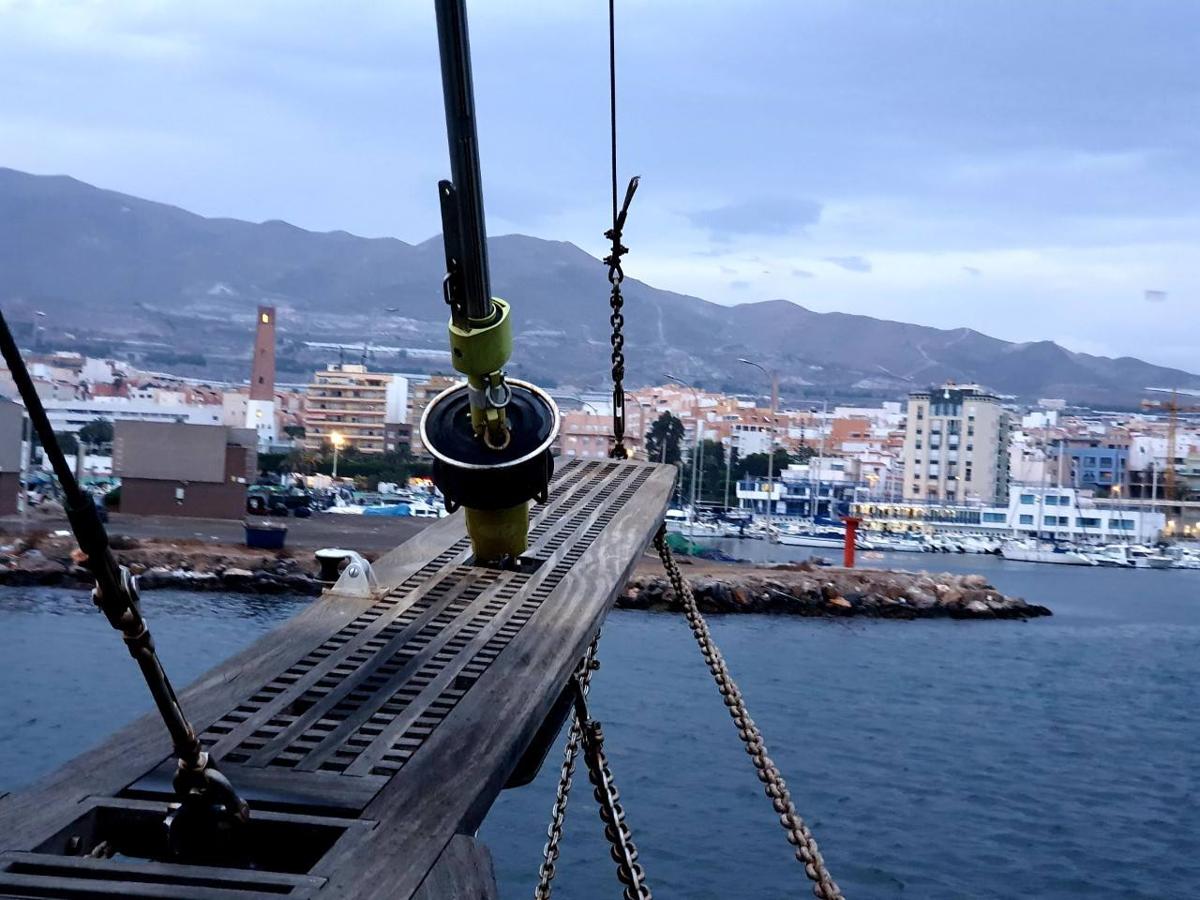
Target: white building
71, 415
1054, 513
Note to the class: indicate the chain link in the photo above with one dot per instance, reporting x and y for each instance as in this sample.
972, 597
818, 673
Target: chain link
624, 852
798, 833
554, 833
617, 319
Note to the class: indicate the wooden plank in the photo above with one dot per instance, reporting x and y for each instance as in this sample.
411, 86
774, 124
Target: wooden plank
167, 878
27, 816
464, 871
266, 787
449, 785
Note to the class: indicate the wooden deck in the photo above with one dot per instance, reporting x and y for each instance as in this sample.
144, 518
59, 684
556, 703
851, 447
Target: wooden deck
370, 736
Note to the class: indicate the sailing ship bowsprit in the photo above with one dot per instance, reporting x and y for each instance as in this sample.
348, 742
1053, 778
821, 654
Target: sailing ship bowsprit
354, 752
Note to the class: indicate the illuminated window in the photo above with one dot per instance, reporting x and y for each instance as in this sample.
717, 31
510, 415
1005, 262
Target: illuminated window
266, 319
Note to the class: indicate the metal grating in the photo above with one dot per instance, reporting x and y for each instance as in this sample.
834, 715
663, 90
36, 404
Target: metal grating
365, 700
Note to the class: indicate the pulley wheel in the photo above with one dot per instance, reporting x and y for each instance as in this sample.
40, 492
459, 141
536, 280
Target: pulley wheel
471, 474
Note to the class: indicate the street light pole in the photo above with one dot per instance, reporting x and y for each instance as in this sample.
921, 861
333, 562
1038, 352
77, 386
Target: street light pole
696, 442
771, 439
728, 470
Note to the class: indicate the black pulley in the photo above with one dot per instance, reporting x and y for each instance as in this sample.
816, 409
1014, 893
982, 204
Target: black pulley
471, 474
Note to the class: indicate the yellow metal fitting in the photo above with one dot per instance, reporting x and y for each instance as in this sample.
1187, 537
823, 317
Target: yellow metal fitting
485, 346
498, 534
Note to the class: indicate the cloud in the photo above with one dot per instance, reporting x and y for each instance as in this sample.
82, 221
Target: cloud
739, 285
972, 271
1068, 180
757, 216
850, 263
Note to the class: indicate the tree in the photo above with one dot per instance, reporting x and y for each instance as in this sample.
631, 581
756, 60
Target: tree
67, 442
664, 439
98, 431
755, 465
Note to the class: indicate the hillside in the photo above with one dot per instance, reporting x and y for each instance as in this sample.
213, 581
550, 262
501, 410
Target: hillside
120, 273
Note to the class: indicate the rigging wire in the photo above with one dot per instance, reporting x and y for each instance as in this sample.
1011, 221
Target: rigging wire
615, 274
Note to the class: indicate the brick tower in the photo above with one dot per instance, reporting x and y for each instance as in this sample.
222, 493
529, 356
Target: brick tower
260, 408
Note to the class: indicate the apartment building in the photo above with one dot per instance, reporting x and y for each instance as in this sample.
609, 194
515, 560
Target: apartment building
956, 445
420, 395
348, 400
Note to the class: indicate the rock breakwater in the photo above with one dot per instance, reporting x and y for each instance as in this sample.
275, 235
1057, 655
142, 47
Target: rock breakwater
800, 589
50, 559
805, 590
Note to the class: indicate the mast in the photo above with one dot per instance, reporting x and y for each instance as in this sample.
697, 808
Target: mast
468, 282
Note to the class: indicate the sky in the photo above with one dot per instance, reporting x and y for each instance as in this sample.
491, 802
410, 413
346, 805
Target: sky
1027, 168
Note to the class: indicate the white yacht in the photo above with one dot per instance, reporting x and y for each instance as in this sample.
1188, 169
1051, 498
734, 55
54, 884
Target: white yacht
1038, 552
1132, 556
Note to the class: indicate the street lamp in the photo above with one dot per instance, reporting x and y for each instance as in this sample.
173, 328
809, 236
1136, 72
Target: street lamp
337, 439
771, 432
696, 443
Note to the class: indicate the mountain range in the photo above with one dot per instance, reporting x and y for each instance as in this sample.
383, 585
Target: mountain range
155, 282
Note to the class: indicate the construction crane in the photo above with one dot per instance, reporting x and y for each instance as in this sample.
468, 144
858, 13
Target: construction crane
1173, 408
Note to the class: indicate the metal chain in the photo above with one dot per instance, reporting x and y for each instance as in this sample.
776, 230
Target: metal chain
624, 852
798, 833
554, 833
613, 260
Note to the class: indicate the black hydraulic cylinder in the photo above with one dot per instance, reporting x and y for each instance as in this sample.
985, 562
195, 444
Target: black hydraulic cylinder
469, 288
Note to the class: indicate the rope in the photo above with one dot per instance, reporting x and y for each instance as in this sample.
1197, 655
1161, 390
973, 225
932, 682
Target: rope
615, 275
558, 814
798, 833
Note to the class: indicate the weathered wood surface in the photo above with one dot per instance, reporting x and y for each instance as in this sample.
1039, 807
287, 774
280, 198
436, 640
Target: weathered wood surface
415, 720
464, 871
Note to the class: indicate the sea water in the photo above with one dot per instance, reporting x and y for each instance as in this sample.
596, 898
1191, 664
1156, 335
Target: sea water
1056, 758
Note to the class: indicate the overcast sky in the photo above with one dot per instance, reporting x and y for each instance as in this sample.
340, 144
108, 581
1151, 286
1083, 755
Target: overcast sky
1028, 168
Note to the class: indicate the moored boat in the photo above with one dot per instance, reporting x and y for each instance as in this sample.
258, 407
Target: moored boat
1037, 552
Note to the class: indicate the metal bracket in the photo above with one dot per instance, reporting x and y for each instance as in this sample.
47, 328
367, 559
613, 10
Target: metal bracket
357, 579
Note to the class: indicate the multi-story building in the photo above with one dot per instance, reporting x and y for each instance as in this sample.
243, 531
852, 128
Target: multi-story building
1090, 463
821, 488
397, 437
588, 433
354, 403
420, 393
956, 445
71, 415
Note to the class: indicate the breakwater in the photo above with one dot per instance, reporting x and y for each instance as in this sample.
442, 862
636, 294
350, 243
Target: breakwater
799, 589
802, 589
53, 560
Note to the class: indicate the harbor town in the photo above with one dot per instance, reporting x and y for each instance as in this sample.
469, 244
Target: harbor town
949, 468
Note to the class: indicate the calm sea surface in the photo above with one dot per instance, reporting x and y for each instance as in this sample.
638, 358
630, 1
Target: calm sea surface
1058, 758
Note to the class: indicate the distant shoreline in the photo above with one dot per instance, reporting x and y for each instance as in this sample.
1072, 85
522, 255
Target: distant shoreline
799, 589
